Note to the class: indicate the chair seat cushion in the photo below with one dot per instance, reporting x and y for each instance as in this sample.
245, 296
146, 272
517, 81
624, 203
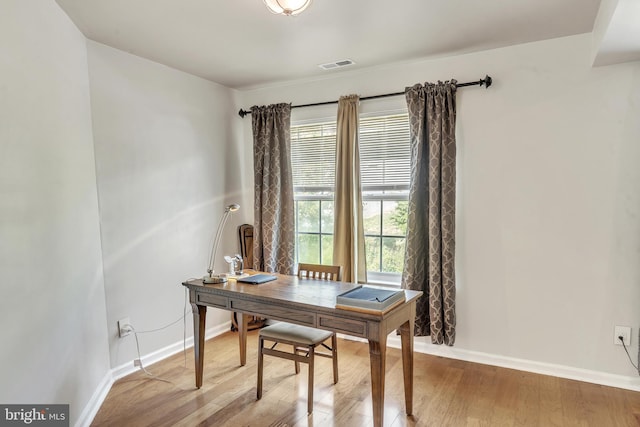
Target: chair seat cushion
297, 333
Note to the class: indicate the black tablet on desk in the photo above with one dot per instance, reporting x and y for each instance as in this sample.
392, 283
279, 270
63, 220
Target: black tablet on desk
256, 279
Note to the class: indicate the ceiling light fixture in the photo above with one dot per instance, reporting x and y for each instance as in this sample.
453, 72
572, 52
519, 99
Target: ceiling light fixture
287, 7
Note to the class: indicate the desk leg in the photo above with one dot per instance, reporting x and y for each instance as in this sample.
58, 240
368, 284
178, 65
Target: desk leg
406, 337
377, 359
199, 318
242, 337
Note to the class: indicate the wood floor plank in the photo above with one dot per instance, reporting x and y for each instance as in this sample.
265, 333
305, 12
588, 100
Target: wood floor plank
550, 401
447, 392
504, 405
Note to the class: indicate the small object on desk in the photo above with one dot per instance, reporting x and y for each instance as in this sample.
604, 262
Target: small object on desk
236, 265
367, 299
256, 279
232, 264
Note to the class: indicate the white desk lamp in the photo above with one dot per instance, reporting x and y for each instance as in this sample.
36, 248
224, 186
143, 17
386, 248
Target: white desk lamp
210, 277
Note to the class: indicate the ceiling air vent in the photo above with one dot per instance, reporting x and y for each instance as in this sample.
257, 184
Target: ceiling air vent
337, 64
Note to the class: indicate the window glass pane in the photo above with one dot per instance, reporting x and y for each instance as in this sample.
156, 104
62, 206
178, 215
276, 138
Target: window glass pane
372, 249
309, 248
371, 216
309, 216
392, 254
395, 218
327, 249
327, 217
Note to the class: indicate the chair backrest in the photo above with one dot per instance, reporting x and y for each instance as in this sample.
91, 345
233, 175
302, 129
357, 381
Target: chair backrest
319, 271
245, 234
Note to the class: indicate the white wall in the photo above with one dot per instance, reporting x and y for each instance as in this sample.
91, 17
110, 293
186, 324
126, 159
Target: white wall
167, 164
52, 302
548, 223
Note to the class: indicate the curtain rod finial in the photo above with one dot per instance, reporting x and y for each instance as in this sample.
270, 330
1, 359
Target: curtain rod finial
487, 81
242, 113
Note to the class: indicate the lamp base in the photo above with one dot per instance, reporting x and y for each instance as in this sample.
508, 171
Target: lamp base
213, 279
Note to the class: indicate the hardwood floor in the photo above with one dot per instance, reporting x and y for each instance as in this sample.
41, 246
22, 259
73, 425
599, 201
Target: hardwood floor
447, 392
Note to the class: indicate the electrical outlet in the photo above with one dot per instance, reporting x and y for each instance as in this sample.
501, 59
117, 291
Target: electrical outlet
122, 331
136, 362
624, 332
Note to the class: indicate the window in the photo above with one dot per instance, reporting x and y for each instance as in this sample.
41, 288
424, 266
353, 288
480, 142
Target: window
385, 161
313, 152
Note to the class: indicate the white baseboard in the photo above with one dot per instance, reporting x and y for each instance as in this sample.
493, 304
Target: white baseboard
100, 394
595, 377
91, 408
161, 354
568, 372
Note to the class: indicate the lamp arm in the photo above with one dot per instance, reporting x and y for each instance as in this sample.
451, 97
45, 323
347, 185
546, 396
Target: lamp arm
216, 242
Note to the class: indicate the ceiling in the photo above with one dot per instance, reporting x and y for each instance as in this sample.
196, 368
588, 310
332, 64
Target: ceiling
240, 44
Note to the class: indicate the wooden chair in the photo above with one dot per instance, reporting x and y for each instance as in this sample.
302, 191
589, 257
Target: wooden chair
317, 271
245, 236
304, 340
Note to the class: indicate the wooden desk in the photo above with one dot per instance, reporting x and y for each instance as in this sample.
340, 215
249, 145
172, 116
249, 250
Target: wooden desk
311, 303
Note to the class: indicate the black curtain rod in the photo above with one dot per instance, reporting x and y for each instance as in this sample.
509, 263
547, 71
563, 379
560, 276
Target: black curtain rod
486, 82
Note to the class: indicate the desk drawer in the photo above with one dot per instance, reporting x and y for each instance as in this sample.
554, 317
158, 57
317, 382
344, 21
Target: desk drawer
274, 312
346, 326
212, 300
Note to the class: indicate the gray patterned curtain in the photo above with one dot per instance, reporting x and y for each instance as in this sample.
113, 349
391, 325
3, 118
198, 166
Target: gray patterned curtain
273, 236
430, 248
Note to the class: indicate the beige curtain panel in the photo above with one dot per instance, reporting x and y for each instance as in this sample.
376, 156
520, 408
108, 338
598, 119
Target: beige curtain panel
348, 233
274, 226
430, 246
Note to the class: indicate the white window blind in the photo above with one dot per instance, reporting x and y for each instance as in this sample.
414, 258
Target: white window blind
385, 153
313, 156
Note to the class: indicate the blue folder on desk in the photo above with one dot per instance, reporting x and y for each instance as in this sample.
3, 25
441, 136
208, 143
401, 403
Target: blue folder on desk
256, 279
